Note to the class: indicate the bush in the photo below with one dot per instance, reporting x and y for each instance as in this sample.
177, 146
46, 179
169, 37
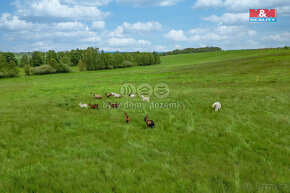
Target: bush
24, 61
26, 70
7, 69
126, 64
81, 66
63, 68
58, 66
110, 67
44, 69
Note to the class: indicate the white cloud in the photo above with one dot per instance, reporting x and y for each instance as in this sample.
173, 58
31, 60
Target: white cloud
91, 39
118, 32
244, 5
10, 22
208, 3
143, 3
229, 18
144, 42
87, 2
98, 25
64, 26
252, 32
176, 35
197, 31
284, 11
122, 42
55, 9
226, 30
139, 26
136, 27
283, 37
217, 33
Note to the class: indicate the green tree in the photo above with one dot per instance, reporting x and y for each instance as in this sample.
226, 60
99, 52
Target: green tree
109, 60
91, 58
81, 66
26, 70
58, 66
156, 58
138, 59
128, 57
37, 59
9, 56
51, 55
75, 56
118, 60
53, 63
7, 69
24, 61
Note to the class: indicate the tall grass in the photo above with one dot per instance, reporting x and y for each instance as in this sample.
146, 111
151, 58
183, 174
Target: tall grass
49, 144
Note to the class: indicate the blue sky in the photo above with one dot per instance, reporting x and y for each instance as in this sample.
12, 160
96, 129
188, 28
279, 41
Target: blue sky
139, 25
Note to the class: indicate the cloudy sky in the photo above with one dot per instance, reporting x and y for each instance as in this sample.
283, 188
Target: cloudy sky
144, 25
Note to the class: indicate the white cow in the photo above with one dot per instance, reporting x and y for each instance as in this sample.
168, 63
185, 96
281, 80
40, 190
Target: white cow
83, 105
132, 95
217, 106
145, 98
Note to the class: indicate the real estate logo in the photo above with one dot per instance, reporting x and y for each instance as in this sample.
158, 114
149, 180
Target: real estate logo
263, 15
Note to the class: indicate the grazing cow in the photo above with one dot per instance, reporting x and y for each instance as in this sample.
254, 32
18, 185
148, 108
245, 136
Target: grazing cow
145, 98
217, 106
132, 95
127, 119
149, 123
95, 106
97, 96
83, 105
117, 96
108, 95
114, 105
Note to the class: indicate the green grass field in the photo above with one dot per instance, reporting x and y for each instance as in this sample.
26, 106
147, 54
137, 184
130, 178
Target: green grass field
49, 144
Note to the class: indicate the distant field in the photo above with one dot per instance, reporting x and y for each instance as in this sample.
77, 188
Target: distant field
18, 56
49, 144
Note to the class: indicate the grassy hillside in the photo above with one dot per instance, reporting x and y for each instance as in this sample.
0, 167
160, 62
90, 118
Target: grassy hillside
49, 144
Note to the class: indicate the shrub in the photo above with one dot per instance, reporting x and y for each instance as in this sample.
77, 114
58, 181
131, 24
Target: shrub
44, 69
58, 66
7, 69
81, 66
26, 70
126, 64
62, 68
110, 67
24, 61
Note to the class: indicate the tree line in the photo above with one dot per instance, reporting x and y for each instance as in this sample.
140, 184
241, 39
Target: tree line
191, 50
93, 59
39, 63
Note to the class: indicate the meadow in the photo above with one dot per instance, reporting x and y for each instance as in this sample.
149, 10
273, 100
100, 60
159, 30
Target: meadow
49, 144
